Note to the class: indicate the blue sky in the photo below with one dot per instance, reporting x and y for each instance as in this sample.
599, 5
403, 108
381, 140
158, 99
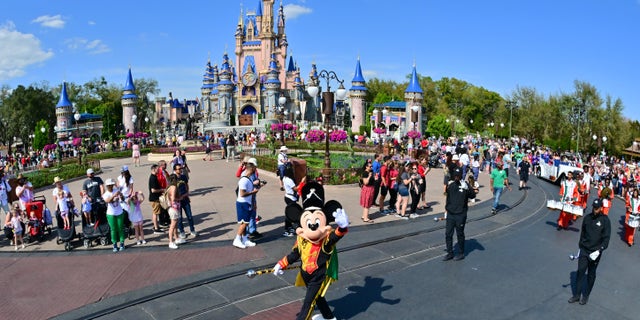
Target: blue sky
496, 44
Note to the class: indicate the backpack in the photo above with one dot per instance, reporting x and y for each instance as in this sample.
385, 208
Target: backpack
238, 188
164, 200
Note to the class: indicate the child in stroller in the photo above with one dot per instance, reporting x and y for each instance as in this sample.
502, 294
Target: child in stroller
35, 227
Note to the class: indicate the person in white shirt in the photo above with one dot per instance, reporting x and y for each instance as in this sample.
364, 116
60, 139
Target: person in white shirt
244, 202
63, 200
5, 188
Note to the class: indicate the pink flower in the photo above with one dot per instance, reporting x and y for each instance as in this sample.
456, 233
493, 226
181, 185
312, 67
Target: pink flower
413, 134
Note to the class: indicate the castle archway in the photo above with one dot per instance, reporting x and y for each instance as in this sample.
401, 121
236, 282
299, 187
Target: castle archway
246, 116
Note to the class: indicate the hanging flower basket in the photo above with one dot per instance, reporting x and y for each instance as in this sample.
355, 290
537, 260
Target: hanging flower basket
413, 134
380, 130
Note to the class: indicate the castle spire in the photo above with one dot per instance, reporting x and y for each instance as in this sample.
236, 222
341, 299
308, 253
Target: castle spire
414, 83
64, 98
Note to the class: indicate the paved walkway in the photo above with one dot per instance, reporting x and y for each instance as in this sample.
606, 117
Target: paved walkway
58, 282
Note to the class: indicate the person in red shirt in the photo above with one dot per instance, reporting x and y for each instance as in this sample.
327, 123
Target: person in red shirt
384, 183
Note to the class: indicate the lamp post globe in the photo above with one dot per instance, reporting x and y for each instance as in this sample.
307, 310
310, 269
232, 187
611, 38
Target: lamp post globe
43, 129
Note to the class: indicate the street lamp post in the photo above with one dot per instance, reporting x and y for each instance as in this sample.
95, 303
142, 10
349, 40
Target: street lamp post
133, 120
327, 110
282, 102
76, 116
511, 105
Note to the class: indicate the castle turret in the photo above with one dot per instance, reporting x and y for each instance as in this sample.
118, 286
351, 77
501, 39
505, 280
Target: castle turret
272, 87
207, 87
413, 97
226, 87
129, 102
64, 114
357, 95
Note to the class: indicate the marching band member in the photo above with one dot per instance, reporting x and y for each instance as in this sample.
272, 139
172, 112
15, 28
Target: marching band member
568, 194
605, 192
632, 219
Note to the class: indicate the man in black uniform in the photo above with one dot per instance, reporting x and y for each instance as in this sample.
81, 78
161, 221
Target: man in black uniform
594, 238
458, 195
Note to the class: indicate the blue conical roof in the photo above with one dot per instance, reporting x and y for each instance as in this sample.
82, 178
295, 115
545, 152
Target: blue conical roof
292, 66
414, 84
259, 12
64, 98
358, 76
129, 85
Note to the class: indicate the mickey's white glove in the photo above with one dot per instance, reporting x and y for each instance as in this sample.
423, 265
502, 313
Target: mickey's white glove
341, 218
277, 269
594, 255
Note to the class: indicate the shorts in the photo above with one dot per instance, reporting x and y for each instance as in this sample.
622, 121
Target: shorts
383, 190
404, 192
155, 207
64, 214
174, 214
243, 212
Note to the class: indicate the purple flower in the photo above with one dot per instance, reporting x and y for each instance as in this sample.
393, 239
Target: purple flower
338, 136
315, 136
413, 134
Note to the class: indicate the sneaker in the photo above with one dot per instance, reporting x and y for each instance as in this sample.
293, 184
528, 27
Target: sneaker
249, 243
182, 235
16, 248
238, 243
287, 234
574, 299
458, 257
493, 211
158, 231
402, 217
173, 245
115, 249
448, 257
181, 241
22, 246
413, 215
121, 248
139, 242
194, 234
143, 242
258, 218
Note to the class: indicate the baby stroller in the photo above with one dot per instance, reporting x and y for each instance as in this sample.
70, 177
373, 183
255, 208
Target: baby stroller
8, 231
36, 222
65, 235
99, 231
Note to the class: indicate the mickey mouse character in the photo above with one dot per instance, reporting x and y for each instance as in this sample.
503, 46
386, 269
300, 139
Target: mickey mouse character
316, 247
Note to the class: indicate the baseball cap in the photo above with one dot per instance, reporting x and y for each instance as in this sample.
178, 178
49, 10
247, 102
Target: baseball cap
124, 168
89, 171
253, 161
455, 157
597, 203
457, 172
109, 182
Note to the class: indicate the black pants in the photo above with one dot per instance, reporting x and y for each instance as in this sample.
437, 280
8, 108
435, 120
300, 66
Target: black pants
376, 191
393, 197
457, 222
588, 266
288, 224
415, 199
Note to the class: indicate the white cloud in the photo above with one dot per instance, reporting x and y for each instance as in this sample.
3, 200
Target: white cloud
91, 23
18, 51
50, 21
292, 11
91, 46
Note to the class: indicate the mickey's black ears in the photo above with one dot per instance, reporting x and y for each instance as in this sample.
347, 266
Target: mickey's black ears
312, 196
293, 212
329, 208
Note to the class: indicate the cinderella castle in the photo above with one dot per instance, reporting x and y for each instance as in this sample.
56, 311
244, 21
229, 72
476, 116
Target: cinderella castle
263, 85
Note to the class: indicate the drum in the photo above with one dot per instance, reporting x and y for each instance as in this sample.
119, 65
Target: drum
554, 205
573, 209
634, 220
